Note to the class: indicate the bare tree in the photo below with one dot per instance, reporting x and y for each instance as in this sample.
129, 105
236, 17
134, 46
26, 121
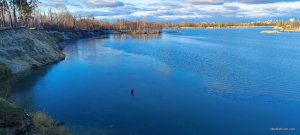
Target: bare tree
6, 8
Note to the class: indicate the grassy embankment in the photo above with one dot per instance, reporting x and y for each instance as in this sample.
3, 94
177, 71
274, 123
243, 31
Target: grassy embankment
15, 121
20, 50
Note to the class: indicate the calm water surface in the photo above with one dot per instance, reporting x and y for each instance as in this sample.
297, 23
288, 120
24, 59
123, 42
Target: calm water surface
197, 82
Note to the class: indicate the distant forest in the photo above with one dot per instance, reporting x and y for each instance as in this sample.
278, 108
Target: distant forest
24, 13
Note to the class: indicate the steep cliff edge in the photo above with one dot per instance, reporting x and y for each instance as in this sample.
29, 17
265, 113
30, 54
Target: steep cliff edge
22, 49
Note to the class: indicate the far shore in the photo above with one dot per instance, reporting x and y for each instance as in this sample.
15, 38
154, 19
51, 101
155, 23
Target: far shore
291, 30
232, 27
275, 30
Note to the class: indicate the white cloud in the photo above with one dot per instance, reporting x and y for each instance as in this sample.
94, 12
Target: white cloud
183, 9
199, 2
102, 3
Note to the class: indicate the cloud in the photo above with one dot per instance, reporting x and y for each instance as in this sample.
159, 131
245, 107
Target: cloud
268, 9
100, 13
200, 2
207, 2
183, 10
58, 3
260, 1
54, 3
102, 3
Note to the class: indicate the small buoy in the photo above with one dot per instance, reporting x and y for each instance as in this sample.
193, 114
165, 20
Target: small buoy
132, 92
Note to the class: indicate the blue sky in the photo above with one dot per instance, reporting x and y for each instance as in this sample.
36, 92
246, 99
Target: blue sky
181, 10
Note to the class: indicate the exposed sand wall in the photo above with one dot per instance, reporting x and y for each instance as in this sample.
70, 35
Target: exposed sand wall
22, 49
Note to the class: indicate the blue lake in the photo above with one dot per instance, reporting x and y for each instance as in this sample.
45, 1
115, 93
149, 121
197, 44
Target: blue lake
197, 82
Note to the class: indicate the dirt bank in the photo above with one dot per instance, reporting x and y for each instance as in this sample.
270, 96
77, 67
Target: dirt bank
22, 49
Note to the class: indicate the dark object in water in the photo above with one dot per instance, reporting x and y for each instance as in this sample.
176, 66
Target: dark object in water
132, 92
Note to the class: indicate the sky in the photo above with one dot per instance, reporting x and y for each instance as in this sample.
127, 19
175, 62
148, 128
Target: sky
181, 10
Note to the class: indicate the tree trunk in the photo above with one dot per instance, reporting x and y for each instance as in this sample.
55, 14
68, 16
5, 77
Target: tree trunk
2, 16
15, 16
10, 18
9, 13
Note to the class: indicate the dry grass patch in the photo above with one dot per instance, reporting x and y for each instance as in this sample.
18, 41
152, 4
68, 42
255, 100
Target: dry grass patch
44, 125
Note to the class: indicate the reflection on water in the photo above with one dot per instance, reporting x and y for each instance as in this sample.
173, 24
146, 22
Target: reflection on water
137, 36
20, 88
215, 82
230, 61
5, 89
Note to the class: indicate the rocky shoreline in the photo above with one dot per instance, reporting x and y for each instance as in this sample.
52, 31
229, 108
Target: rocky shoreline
69, 35
23, 49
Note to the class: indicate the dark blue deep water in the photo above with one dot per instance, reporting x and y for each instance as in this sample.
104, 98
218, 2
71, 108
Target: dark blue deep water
197, 82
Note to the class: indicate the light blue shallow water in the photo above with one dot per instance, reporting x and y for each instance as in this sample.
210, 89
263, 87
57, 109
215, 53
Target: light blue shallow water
197, 82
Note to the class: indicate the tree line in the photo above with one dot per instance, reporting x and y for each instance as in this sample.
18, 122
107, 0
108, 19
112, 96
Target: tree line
219, 24
16, 13
289, 25
65, 21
